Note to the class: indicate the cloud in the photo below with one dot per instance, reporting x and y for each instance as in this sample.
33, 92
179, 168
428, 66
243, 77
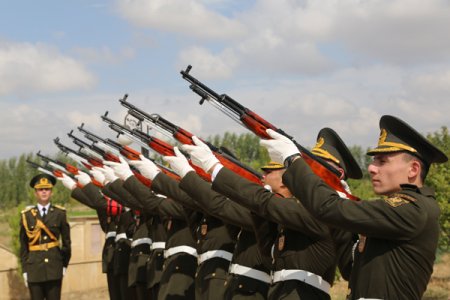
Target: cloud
104, 55
212, 66
187, 17
27, 68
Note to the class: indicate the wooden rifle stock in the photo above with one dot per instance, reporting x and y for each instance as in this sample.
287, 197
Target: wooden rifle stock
185, 137
259, 125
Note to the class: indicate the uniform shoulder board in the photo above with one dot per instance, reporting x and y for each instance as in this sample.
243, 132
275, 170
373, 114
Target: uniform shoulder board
59, 206
27, 208
398, 199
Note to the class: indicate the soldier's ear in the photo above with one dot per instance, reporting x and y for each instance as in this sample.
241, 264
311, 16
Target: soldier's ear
415, 169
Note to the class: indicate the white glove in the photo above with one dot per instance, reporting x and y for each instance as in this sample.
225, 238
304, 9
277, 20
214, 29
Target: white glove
67, 182
108, 172
83, 178
121, 170
64, 271
201, 155
98, 175
146, 167
280, 147
25, 277
179, 163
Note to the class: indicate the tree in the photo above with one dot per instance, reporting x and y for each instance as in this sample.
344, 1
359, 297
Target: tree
439, 178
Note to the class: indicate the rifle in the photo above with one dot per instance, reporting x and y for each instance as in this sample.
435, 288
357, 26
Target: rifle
47, 169
258, 126
185, 137
82, 158
147, 140
126, 151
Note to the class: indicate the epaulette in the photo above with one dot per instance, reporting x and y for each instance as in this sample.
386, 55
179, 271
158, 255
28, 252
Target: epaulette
59, 206
397, 199
27, 208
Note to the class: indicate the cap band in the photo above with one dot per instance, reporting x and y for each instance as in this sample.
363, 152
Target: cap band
317, 150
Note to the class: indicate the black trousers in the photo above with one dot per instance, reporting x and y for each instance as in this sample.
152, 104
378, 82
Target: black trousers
48, 290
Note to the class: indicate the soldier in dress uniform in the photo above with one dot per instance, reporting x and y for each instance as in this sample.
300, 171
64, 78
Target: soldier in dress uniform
399, 232
304, 258
44, 242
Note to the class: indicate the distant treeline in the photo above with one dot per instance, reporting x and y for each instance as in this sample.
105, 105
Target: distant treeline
15, 174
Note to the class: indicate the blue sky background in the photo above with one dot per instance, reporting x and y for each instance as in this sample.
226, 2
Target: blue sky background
302, 65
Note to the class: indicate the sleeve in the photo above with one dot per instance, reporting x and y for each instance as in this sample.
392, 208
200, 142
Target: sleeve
376, 218
216, 204
126, 198
23, 246
168, 186
285, 211
94, 194
81, 197
151, 203
66, 249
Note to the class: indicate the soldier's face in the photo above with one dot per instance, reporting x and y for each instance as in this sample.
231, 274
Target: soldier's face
274, 179
43, 195
388, 171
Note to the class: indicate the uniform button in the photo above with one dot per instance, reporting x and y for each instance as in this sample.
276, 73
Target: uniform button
46, 260
198, 241
225, 283
241, 286
196, 274
45, 237
159, 254
164, 266
140, 252
177, 267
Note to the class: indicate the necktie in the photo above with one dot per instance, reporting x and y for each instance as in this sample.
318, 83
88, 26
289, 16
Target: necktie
43, 212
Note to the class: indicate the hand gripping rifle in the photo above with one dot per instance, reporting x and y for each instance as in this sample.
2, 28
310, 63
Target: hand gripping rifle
50, 170
82, 158
107, 156
185, 137
115, 149
258, 126
147, 140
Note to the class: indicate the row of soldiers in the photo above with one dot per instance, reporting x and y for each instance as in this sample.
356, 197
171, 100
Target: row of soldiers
235, 239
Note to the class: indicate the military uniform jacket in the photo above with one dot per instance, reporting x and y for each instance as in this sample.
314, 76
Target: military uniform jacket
44, 265
302, 242
396, 259
246, 251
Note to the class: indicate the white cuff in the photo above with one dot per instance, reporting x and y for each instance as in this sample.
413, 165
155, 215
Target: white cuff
216, 170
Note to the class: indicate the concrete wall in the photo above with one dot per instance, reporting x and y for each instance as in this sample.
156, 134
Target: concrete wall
84, 278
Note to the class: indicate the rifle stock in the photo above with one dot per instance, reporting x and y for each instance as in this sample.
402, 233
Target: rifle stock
161, 147
185, 137
259, 125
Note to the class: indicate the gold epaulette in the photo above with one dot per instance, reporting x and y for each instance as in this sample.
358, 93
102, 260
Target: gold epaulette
59, 206
28, 208
398, 199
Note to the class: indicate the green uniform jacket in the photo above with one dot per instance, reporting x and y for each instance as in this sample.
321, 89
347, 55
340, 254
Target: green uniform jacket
396, 260
302, 242
47, 264
246, 252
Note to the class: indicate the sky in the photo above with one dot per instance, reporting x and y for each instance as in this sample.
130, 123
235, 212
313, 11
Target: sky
301, 64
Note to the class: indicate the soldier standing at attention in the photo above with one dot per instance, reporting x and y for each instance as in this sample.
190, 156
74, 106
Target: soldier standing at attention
44, 257
395, 255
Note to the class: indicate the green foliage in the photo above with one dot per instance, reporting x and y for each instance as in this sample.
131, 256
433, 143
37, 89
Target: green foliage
439, 178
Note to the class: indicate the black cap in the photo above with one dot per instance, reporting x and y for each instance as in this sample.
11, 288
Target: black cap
330, 146
397, 136
42, 181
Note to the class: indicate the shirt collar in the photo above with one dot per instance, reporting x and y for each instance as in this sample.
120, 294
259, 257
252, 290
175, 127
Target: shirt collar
40, 206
